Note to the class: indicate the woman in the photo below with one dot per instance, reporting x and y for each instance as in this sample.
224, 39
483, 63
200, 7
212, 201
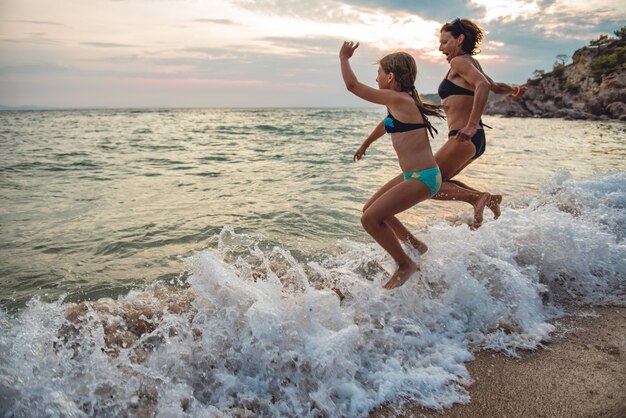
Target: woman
407, 122
464, 93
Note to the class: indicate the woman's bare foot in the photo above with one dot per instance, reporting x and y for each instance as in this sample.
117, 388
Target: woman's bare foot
417, 244
479, 207
494, 205
401, 276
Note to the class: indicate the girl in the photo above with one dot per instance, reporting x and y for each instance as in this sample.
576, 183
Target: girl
407, 122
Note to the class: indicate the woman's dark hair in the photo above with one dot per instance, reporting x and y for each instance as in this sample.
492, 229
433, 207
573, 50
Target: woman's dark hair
473, 33
404, 68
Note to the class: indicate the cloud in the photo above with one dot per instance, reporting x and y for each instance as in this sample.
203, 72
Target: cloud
440, 10
328, 10
207, 54
304, 9
183, 81
304, 46
107, 45
30, 39
553, 28
216, 21
32, 69
568, 24
36, 22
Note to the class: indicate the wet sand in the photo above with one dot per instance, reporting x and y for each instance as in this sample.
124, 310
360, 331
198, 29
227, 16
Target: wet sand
580, 373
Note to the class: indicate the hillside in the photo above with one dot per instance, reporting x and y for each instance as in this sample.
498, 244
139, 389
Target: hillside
593, 86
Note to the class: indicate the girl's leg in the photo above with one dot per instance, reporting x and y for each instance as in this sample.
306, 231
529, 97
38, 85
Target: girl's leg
404, 235
399, 230
395, 200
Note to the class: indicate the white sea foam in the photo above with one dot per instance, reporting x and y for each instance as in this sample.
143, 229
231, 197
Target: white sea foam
261, 332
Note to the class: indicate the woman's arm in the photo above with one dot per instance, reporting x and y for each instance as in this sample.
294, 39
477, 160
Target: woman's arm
503, 88
378, 131
359, 89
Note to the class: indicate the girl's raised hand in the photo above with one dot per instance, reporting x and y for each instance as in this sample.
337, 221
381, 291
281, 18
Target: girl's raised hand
347, 49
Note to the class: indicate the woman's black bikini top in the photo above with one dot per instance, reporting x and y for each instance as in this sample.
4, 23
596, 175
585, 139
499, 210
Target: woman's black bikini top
394, 125
448, 88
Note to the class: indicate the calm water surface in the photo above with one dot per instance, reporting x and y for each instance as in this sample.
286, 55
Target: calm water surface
95, 202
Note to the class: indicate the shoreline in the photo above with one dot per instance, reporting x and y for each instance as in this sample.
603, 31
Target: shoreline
581, 372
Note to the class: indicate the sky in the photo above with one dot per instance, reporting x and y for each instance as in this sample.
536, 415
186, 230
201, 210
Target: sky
264, 53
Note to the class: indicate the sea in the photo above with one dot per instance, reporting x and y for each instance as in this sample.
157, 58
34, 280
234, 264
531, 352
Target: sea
211, 262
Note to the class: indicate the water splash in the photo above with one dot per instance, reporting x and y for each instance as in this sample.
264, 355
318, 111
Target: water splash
261, 330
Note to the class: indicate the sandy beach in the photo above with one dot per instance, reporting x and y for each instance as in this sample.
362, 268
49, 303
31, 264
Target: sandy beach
580, 373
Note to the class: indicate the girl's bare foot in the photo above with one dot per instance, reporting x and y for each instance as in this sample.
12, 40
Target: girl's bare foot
479, 207
401, 276
494, 205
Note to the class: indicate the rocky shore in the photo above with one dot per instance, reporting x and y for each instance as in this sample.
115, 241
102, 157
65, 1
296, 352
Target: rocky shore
592, 87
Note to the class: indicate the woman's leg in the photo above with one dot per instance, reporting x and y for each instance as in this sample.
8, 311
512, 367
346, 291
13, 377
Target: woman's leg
494, 202
395, 200
451, 191
400, 231
451, 158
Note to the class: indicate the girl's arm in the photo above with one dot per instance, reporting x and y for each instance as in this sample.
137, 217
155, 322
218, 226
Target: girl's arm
365, 92
481, 85
378, 131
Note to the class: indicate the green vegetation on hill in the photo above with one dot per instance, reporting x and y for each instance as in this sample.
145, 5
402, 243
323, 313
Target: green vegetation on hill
609, 57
